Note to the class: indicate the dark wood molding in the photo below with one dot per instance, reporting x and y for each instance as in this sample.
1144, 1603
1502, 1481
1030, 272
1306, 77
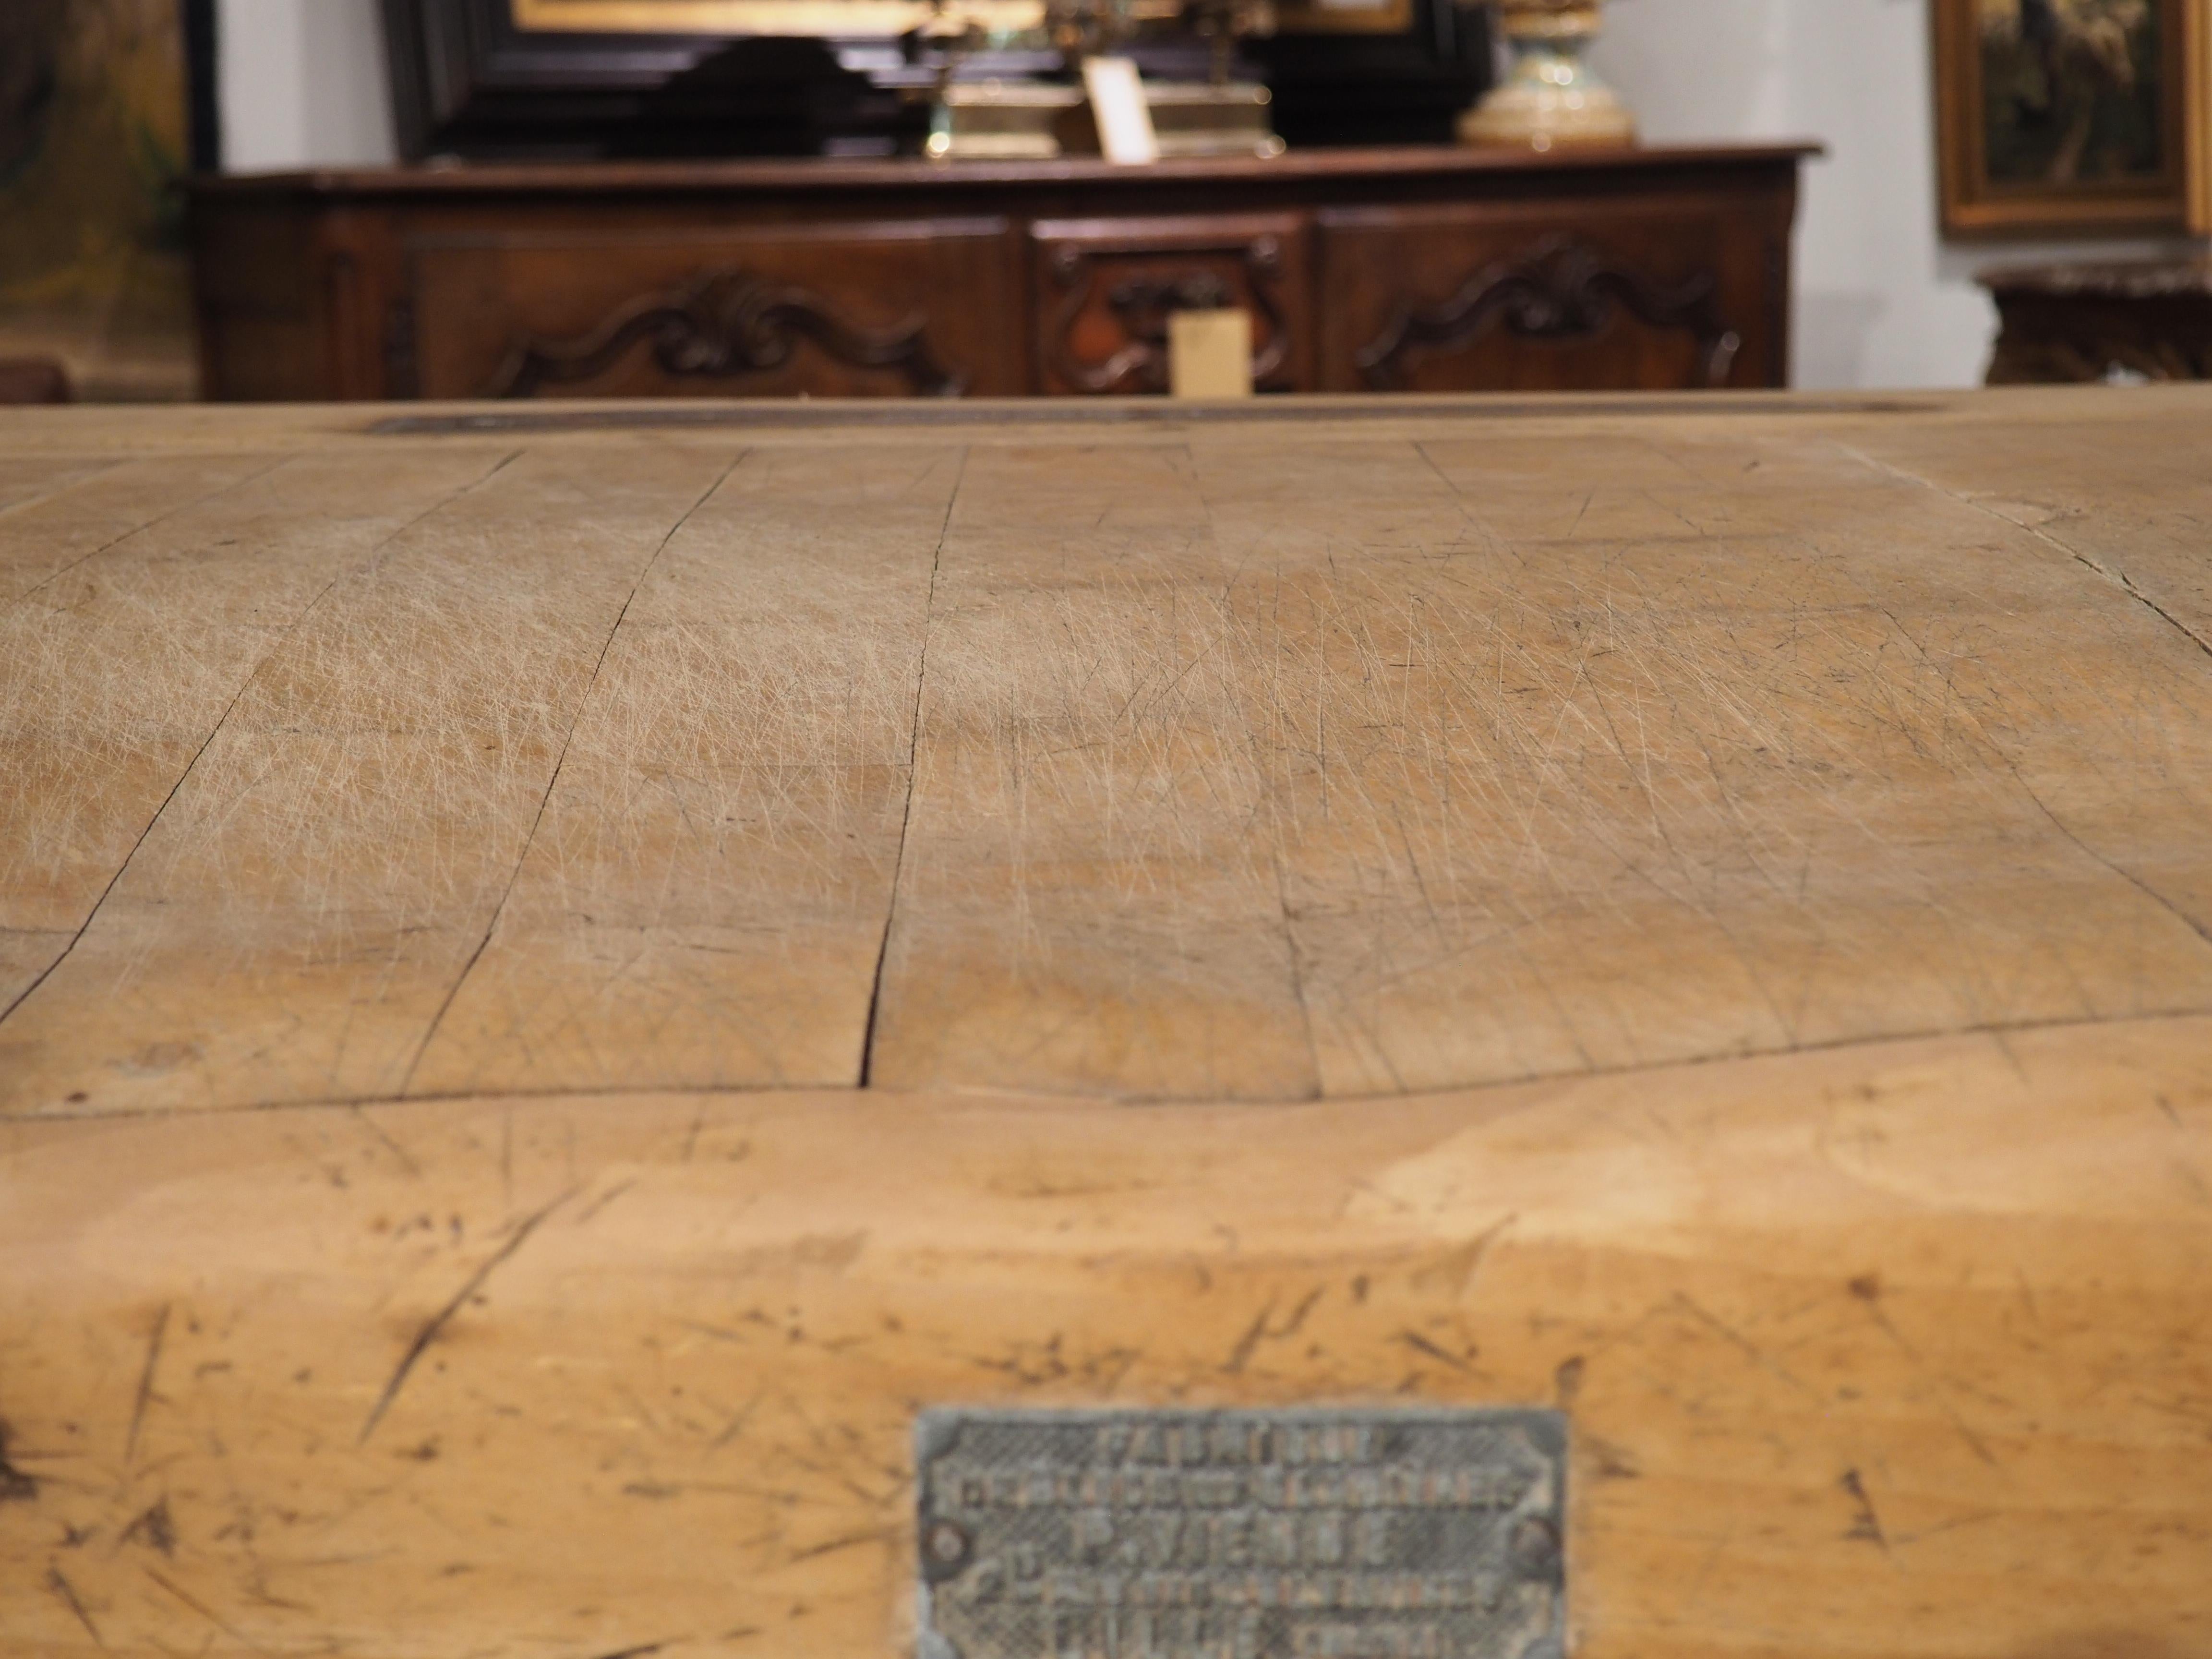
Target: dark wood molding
1142, 302
203, 102
401, 377
727, 322
1561, 289
1382, 173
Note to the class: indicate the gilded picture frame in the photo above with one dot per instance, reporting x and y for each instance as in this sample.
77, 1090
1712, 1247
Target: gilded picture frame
831, 18
104, 106
2071, 117
847, 18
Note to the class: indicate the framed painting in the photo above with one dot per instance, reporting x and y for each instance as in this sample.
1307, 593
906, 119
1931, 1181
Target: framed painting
863, 17
103, 105
2070, 116
579, 79
840, 19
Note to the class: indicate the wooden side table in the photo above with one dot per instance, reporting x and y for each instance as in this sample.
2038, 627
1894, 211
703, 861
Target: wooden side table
2151, 320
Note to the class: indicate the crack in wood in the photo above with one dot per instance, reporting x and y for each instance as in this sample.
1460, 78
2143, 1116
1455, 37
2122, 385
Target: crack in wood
437, 1322
145, 1392
869, 1023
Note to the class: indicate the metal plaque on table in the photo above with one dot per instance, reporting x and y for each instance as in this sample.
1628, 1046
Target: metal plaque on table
1305, 1533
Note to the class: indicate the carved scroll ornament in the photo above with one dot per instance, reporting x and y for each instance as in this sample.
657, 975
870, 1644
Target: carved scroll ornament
726, 322
1559, 290
1142, 302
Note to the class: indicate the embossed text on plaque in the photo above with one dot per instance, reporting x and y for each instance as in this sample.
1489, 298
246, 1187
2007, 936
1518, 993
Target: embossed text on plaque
1304, 1534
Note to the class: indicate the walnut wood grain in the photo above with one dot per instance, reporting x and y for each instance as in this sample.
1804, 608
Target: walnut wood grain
569, 981
1662, 290
721, 325
1558, 290
1295, 166
884, 278
1108, 287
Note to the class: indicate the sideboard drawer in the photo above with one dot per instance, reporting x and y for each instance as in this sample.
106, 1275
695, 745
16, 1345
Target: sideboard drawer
1104, 290
1650, 292
848, 310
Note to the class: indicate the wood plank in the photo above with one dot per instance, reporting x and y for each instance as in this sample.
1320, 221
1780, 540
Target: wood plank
51, 530
1897, 1349
142, 606
2134, 503
705, 901
300, 912
1683, 786
1087, 900
26, 480
1643, 752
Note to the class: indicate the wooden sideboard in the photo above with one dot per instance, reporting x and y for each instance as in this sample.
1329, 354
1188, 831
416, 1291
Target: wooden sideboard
1428, 269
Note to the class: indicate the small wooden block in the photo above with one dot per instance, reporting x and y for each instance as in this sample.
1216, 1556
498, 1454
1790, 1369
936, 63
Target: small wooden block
1210, 354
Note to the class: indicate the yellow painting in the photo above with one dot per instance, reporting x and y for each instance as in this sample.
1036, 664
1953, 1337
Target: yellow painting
92, 143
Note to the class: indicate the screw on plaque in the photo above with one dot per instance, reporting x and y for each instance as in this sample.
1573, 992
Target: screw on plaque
945, 1549
1535, 1547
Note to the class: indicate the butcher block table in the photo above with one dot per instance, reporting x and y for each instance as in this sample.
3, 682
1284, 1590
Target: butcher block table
567, 973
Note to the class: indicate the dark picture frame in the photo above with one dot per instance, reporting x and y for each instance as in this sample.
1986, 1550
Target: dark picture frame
2041, 133
469, 82
204, 104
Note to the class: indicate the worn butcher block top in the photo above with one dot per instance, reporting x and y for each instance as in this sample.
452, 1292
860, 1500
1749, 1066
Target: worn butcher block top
566, 974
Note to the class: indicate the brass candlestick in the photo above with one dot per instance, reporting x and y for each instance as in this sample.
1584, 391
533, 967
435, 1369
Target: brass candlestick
1551, 97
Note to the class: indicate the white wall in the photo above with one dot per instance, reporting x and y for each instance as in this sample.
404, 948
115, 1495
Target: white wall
303, 84
1882, 301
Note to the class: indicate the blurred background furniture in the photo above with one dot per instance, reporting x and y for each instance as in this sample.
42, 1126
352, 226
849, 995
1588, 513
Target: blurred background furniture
32, 381
2148, 319
1421, 269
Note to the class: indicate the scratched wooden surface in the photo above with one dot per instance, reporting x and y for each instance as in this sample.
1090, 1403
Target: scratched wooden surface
560, 984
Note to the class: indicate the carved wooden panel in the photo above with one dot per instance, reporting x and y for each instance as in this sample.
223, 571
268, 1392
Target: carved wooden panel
1647, 293
849, 311
1558, 289
729, 321
1104, 290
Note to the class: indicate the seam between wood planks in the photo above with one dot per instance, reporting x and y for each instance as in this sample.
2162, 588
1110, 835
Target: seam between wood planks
1966, 712
1310, 408
583, 702
62, 489
223, 719
53, 577
913, 764
1275, 848
1996, 1031
2117, 577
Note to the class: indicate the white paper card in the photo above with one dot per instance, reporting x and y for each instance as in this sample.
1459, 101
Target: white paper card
1117, 104
1210, 354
